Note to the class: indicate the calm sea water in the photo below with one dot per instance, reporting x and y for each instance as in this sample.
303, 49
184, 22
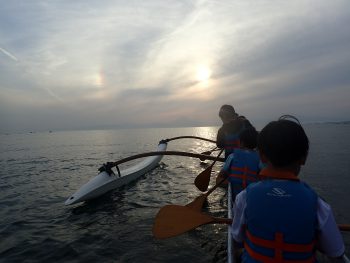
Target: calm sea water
40, 170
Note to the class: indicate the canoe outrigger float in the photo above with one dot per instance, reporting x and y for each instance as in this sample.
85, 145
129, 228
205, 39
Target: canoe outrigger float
107, 180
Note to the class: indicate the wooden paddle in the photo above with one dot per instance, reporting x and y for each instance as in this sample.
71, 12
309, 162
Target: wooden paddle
174, 220
344, 227
197, 204
202, 180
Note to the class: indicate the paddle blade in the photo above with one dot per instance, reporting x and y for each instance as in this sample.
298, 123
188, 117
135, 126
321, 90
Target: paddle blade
174, 220
202, 180
198, 203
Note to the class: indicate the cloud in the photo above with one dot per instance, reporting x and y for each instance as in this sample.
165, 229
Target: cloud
136, 61
8, 54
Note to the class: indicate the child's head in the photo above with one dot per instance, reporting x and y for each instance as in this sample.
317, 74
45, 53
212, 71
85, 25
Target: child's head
283, 143
227, 112
249, 138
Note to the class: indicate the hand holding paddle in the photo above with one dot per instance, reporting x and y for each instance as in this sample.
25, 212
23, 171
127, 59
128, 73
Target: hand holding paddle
197, 203
202, 180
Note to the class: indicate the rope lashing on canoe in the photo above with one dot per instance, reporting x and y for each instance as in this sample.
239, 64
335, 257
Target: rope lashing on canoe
107, 167
187, 137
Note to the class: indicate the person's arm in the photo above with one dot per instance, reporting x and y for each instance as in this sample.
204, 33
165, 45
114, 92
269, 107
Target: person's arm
224, 172
227, 164
330, 240
239, 219
220, 138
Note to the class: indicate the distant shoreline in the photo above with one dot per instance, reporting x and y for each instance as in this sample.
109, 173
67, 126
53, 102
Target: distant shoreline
329, 122
117, 128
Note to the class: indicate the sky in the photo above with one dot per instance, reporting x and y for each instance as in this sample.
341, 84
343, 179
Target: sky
161, 63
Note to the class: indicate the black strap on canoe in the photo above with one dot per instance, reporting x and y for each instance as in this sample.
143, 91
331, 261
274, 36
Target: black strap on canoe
107, 167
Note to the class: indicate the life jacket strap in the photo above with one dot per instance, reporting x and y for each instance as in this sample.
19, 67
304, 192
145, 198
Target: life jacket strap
229, 145
244, 176
279, 247
270, 173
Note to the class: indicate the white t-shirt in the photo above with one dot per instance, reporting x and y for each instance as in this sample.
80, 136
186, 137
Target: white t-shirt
330, 241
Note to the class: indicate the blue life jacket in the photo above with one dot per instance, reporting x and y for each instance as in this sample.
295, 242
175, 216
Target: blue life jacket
243, 169
232, 141
281, 222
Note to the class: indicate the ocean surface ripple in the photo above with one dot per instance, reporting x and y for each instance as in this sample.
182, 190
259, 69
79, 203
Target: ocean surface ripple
40, 170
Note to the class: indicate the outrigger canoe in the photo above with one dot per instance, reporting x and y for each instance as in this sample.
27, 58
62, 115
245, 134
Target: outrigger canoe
106, 181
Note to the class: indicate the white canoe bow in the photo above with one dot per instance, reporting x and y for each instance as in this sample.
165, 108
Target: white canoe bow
104, 182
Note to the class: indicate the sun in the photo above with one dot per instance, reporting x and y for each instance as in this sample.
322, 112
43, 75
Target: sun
203, 73
98, 79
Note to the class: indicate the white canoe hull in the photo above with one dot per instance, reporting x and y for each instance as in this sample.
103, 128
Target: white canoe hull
230, 244
103, 182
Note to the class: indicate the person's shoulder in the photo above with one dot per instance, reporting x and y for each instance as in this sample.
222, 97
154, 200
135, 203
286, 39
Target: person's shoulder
231, 157
308, 187
256, 185
248, 152
241, 196
255, 155
233, 125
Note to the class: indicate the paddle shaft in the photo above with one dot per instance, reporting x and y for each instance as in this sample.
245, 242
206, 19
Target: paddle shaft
197, 204
217, 157
202, 180
221, 220
228, 221
216, 186
344, 227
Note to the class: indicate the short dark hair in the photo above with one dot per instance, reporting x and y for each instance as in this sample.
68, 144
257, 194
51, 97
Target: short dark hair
227, 111
249, 137
283, 142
